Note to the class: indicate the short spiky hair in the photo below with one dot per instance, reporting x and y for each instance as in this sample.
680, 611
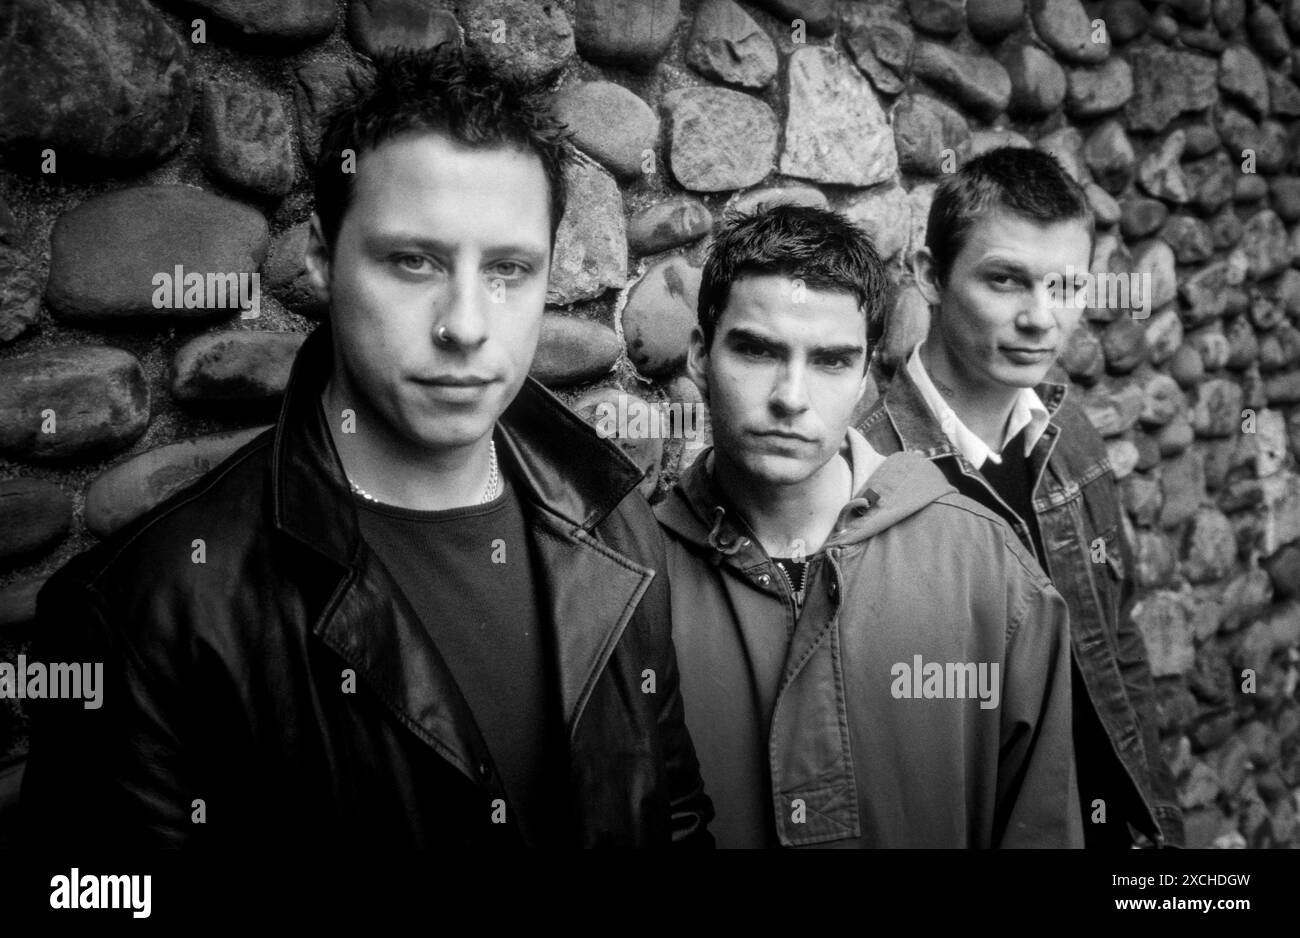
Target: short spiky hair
1024, 182
440, 91
822, 248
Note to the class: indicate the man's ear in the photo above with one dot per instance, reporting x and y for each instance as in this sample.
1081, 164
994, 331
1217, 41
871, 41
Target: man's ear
317, 259
697, 362
926, 274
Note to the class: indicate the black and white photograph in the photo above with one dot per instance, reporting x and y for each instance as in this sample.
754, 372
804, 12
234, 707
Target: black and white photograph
451, 433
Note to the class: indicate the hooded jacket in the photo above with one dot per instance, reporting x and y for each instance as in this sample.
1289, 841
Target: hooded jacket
826, 728
227, 692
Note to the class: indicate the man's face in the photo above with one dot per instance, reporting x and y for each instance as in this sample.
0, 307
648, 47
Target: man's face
437, 238
995, 317
782, 377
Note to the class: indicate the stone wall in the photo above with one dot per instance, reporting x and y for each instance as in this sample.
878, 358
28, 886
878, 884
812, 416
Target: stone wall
139, 136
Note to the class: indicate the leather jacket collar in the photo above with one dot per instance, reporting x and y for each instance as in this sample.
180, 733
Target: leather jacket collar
557, 463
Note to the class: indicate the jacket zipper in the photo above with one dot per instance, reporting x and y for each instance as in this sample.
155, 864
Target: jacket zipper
789, 596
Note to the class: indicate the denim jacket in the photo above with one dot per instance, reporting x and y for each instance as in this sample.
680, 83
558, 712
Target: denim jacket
1076, 502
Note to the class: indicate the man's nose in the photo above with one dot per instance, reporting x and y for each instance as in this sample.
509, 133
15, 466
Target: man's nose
461, 315
1038, 311
790, 394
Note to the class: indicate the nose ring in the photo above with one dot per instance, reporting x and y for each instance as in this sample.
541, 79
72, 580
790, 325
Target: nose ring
441, 335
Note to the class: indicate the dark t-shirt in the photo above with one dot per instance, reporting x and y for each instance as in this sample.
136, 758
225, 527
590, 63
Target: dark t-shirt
468, 574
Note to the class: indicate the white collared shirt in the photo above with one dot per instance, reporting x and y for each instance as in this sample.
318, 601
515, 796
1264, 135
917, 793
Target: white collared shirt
1028, 414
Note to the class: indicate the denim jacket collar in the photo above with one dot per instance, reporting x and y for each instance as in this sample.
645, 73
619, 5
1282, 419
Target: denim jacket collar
904, 406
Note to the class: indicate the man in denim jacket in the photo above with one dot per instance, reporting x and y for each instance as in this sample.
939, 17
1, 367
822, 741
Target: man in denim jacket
973, 398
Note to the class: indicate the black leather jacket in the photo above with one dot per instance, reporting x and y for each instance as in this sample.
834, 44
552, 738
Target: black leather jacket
224, 717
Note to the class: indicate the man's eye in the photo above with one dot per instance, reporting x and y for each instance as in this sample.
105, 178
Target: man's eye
1003, 280
836, 362
413, 263
753, 351
509, 270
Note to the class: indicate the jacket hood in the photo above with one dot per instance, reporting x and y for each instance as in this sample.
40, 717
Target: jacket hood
886, 490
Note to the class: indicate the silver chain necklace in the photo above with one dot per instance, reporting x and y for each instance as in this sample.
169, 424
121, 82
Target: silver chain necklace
490, 491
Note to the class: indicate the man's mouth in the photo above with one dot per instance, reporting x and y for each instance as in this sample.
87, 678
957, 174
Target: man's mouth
455, 381
782, 435
454, 389
1027, 355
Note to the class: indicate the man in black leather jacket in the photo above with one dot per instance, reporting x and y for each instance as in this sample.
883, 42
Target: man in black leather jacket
423, 610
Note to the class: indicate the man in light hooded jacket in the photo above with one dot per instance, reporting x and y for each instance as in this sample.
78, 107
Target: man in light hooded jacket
868, 658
